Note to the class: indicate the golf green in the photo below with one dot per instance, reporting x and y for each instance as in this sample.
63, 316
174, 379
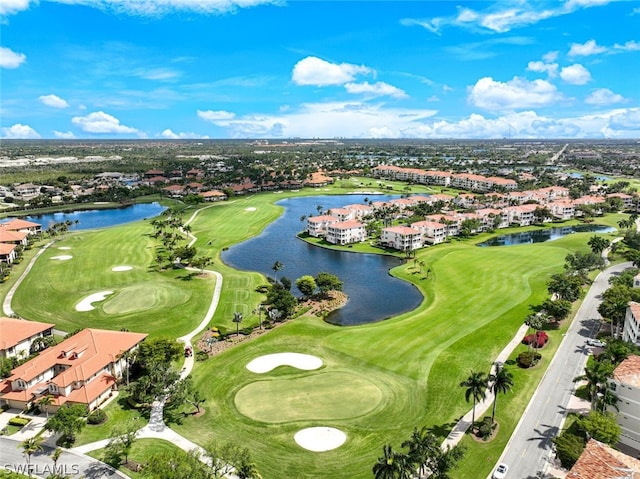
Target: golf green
318, 396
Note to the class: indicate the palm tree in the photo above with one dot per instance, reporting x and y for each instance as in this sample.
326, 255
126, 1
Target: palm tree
258, 309
423, 446
392, 465
29, 447
55, 457
44, 402
476, 385
277, 266
598, 244
129, 358
501, 382
237, 318
596, 374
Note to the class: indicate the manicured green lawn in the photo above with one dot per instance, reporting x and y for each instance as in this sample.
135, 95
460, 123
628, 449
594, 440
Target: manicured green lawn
141, 452
388, 377
118, 413
167, 303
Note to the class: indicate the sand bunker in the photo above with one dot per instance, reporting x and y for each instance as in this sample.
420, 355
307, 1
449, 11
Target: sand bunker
319, 439
250, 208
62, 257
64, 247
266, 363
122, 268
86, 303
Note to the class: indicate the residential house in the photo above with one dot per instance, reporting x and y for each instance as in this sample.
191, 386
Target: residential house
8, 253
345, 232
359, 211
599, 461
432, 231
17, 336
343, 214
213, 195
562, 209
627, 200
83, 369
403, 238
317, 225
626, 385
631, 328
17, 224
14, 237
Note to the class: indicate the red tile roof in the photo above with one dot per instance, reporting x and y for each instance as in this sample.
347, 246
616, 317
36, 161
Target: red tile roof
14, 331
599, 461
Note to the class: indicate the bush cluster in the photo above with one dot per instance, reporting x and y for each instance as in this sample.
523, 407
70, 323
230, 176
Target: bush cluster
97, 417
19, 421
537, 340
527, 359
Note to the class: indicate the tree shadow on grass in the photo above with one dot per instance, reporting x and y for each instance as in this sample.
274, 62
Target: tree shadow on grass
442, 430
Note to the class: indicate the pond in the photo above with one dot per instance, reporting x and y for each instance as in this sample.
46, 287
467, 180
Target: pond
90, 219
373, 293
542, 235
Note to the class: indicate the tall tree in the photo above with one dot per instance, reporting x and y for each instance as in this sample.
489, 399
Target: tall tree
598, 244
237, 318
44, 402
500, 382
596, 373
392, 465
476, 385
277, 266
29, 447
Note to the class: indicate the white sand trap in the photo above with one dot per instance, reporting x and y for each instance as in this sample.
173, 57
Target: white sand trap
62, 257
122, 268
266, 363
319, 439
87, 303
64, 247
250, 208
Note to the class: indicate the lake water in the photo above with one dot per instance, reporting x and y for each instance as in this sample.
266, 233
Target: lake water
374, 295
542, 235
91, 219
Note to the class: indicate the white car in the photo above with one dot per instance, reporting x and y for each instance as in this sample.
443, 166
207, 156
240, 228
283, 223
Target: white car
595, 342
501, 471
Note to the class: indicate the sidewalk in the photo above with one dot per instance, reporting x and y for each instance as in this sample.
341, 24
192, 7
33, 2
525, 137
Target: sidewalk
459, 430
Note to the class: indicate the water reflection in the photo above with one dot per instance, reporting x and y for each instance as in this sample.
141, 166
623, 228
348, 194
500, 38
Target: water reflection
542, 235
374, 295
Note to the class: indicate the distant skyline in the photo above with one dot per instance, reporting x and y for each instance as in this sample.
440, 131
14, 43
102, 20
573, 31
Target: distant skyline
190, 69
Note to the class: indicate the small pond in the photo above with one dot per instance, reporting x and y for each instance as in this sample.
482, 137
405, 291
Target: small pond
373, 293
90, 219
542, 235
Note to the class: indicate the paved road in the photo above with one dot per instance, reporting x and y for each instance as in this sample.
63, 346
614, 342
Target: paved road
528, 453
70, 463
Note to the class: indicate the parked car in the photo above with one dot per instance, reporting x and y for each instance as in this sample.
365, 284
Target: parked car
501, 471
595, 342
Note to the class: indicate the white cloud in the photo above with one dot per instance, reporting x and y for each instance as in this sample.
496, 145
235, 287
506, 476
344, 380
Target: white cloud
375, 89
216, 116
9, 7
317, 72
19, 131
603, 96
11, 59
515, 94
101, 122
626, 120
170, 135
590, 47
64, 135
53, 101
157, 74
630, 46
150, 8
502, 17
550, 69
575, 74
550, 57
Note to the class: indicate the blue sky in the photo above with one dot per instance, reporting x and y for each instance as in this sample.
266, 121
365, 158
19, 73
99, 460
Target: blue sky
165, 69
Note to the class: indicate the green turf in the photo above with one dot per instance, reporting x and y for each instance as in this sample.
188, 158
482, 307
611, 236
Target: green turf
311, 397
475, 299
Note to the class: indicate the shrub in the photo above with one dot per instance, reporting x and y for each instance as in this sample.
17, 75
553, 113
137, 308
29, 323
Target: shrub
97, 417
201, 356
537, 340
486, 427
19, 421
527, 359
568, 448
